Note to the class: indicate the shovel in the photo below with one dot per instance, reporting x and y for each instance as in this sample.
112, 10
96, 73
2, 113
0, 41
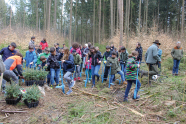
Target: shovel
62, 84
135, 91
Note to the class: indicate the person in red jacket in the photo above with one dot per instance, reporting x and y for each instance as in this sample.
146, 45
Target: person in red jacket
75, 46
43, 43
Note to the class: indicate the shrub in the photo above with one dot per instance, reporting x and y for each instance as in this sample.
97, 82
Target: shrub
32, 94
12, 91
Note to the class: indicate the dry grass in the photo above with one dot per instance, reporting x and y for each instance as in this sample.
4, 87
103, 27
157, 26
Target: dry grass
22, 37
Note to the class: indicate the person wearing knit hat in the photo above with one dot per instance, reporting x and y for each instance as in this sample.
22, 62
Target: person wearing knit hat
177, 55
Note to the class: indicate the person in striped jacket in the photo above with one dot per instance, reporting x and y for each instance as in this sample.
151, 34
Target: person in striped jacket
131, 74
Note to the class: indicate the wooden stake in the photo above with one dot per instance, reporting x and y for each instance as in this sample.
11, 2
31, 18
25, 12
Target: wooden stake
4, 111
1, 80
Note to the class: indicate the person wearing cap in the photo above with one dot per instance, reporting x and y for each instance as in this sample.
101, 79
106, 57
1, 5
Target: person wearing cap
10, 73
45, 54
30, 57
139, 49
151, 59
105, 57
8, 51
56, 45
77, 62
44, 43
53, 63
32, 42
177, 55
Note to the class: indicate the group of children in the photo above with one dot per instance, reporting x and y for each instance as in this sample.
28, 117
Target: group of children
77, 59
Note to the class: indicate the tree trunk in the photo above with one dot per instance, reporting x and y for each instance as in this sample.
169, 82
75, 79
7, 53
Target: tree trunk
111, 20
55, 6
70, 30
37, 15
45, 13
62, 18
117, 16
49, 7
99, 21
158, 13
182, 19
10, 17
75, 22
121, 20
103, 23
139, 23
146, 16
94, 25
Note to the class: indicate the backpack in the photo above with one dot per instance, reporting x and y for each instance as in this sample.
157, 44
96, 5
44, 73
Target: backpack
2, 65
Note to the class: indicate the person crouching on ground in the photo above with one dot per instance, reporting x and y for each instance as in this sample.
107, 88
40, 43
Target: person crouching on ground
177, 55
131, 74
115, 67
77, 62
68, 68
11, 74
53, 63
95, 64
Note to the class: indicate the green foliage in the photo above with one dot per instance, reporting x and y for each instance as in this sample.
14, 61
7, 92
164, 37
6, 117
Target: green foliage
76, 112
12, 90
171, 114
32, 94
31, 74
102, 47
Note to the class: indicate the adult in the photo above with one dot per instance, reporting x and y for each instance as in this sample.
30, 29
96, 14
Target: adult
75, 46
177, 55
151, 59
95, 64
11, 74
44, 43
32, 42
139, 49
8, 51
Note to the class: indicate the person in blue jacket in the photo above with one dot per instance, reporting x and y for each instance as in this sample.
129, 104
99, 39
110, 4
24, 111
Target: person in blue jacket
68, 68
159, 54
31, 57
8, 51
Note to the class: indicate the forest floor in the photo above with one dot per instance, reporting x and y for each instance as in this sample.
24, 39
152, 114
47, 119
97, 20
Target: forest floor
160, 103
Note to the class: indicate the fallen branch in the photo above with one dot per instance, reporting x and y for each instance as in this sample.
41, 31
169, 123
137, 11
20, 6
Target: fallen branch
145, 93
86, 93
134, 111
147, 96
179, 106
4, 111
143, 103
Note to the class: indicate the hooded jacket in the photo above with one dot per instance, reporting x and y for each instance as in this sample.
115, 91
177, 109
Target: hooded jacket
6, 52
53, 61
77, 59
95, 58
177, 53
44, 44
68, 65
115, 66
131, 69
42, 54
151, 56
124, 57
30, 57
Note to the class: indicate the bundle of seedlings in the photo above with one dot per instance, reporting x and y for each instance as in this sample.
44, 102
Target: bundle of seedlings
32, 96
13, 94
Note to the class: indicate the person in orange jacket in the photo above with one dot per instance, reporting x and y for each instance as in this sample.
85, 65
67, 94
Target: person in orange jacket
11, 64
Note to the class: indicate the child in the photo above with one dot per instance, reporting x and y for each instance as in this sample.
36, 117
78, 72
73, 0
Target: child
88, 67
45, 54
68, 68
31, 57
105, 56
77, 62
75, 46
53, 63
131, 74
115, 67
95, 63
39, 50
123, 59
56, 45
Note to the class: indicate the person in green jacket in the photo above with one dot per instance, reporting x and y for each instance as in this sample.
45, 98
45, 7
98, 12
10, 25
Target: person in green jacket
115, 67
77, 62
46, 55
131, 75
177, 55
